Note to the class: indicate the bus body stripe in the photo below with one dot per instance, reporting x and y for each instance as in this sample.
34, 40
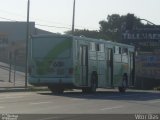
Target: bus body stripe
43, 66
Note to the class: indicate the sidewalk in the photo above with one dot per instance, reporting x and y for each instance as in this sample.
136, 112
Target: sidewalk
11, 87
17, 78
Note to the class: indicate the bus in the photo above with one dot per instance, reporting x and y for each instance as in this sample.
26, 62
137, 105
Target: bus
63, 62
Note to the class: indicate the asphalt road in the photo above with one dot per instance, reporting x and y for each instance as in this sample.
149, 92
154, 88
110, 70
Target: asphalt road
74, 102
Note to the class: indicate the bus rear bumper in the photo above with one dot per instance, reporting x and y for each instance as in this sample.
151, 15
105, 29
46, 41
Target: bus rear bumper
51, 81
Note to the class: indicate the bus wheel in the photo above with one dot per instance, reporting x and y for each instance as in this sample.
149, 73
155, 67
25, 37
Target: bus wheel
56, 90
85, 90
94, 79
94, 83
124, 85
122, 89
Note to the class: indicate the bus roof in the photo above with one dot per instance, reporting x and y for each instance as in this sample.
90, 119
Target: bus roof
83, 38
102, 41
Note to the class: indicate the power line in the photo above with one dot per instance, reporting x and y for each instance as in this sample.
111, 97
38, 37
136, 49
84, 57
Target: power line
69, 26
33, 18
8, 19
39, 19
35, 24
43, 25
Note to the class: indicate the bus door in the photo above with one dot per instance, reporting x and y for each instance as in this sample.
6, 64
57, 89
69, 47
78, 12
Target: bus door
84, 65
132, 68
110, 66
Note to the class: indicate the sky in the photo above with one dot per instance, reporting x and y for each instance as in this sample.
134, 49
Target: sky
56, 15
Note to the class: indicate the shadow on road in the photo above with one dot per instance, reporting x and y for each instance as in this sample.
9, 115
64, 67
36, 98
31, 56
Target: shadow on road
110, 95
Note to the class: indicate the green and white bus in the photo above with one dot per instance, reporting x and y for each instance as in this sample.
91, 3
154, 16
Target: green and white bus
65, 62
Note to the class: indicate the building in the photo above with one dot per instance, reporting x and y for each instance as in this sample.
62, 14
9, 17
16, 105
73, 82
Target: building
147, 42
13, 41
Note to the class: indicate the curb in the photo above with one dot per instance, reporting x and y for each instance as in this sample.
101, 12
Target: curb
22, 89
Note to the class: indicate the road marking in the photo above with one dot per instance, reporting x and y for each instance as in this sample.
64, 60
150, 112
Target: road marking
11, 97
1, 107
157, 101
37, 103
116, 107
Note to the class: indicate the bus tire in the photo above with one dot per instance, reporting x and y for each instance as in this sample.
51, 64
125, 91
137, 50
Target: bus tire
56, 90
85, 90
122, 89
94, 82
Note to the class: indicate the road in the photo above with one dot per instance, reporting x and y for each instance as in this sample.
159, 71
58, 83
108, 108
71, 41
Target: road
74, 102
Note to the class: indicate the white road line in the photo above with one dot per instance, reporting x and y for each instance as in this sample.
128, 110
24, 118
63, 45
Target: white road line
16, 95
11, 97
1, 107
37, 103
116, 107
156, 101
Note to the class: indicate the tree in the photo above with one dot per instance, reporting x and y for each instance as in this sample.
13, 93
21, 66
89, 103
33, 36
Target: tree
116, 24
132, 22
112, 28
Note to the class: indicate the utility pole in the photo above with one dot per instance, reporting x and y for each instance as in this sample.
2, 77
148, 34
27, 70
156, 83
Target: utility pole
27, 40
73, 20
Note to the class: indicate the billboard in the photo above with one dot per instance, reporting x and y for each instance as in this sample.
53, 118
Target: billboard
147, 43
148, 65
146, 38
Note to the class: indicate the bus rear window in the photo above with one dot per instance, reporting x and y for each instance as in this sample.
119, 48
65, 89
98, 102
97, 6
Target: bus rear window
53, 48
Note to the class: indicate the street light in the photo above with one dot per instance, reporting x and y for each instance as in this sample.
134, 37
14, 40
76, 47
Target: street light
74, 3
149, 22
27, 40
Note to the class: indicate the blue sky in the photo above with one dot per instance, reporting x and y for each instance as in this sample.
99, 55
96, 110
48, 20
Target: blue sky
58, 13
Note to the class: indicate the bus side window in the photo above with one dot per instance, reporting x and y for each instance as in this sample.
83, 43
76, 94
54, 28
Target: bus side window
92, 46
125, 51
120, 50
117, 50
97, 47
102, 47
